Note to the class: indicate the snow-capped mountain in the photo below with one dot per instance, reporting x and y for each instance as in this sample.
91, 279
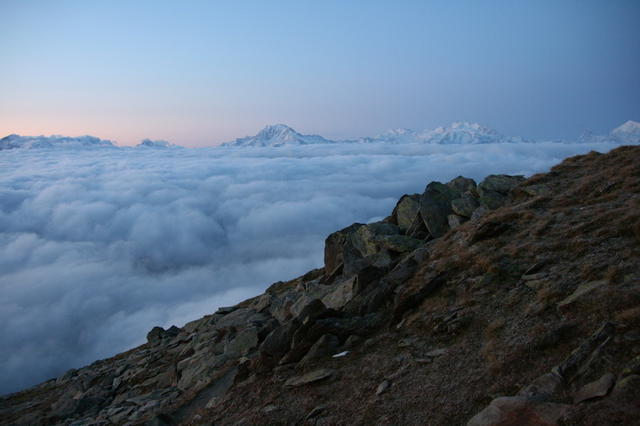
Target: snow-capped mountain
278, 135
456, 133
148, 143
56, 141
627, 133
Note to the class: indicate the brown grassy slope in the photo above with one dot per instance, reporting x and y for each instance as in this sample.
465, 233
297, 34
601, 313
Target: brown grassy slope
499, 333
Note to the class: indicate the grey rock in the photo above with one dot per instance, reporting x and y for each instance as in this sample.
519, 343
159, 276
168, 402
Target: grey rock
334, 247
455, 221
462, 184
543, 388
341, 293
326, 346
465, 205
398, 243
595, 389
406, 211
502, 184
278, 342
243, 342
309, 378
435, 206
581, 291
382, 387
520, 411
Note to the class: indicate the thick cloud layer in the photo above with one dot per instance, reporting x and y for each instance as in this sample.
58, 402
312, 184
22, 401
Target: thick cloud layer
98, 246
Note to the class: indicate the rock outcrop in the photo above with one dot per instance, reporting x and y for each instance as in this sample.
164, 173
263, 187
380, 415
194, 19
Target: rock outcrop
509, 302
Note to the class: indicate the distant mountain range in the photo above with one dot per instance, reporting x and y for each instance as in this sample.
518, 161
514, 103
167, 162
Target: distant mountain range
283, 135
456, 133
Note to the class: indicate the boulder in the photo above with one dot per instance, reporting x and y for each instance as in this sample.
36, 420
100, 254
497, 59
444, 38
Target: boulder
465, 205
342, 293
398, 243
435, 206
159, 335
325, 346
502, 184
366, 238
278, 342
493, 190
462, 184
243, 342
406, 211
334, 247
455, 221
357, 246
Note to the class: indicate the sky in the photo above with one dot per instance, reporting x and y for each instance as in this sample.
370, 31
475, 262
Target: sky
199, 73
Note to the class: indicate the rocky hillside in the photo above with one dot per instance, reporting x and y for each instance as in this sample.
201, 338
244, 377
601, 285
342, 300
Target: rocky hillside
508, 302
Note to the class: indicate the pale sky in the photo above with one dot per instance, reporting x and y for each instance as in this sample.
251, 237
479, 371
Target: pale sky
200, 73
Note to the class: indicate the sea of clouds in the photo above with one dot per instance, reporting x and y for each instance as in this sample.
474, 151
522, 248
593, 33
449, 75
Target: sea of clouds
97, 246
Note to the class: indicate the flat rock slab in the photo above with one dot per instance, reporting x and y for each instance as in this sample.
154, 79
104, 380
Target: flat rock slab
312, 377
520, 411
596, 389
581, 291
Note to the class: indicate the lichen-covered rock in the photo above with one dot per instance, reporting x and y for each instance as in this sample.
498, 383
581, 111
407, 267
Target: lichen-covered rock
406, 211
465, 205
462, 184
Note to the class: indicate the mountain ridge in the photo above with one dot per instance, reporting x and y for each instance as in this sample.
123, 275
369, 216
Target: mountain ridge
279, 135
510, 301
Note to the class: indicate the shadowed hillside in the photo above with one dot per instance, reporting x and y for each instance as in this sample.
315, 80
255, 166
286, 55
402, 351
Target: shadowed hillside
508, 302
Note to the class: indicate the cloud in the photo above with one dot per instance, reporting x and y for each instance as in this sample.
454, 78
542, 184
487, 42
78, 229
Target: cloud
99, 246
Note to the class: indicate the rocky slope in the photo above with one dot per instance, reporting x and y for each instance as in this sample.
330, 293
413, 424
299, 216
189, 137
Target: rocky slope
509, 302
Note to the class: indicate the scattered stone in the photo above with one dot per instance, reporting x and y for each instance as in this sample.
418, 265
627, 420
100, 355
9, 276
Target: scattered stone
382, 387
316, 412
581, 291
270, 408
532, 277
520, 411
543, 388
312, 377
435, 353
596, 389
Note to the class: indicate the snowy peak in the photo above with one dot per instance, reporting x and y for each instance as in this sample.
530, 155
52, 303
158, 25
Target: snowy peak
630, 129
56, 141
464, 133
627, 133
278, 135
160, 144
460, 132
